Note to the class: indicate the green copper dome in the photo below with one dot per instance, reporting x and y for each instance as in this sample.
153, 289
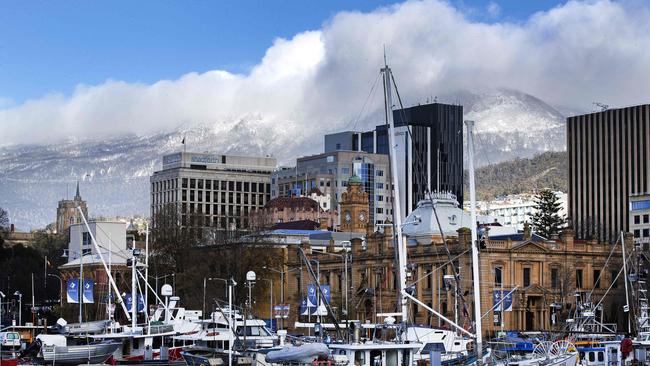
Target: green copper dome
354, 180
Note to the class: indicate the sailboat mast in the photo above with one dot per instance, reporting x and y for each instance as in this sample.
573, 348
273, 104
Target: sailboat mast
397, 214
475, 260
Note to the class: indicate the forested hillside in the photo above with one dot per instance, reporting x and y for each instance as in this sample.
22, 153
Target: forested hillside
546, 170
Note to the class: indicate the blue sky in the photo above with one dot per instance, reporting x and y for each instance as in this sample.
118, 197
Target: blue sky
53, 46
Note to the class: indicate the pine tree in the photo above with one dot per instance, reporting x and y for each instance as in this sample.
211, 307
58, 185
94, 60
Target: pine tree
547, 220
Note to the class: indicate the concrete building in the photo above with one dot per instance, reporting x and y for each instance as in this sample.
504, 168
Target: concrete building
67, 213
608, 155
429, 147
515, 210
640, 219
108, 234
222, 189
330, 172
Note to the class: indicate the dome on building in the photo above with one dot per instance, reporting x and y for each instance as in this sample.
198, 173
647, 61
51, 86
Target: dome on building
354, 180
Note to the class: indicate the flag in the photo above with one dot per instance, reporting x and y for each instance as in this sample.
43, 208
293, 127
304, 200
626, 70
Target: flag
73, 291
326, 293
128, 299
312, 297
506, 305
88, 291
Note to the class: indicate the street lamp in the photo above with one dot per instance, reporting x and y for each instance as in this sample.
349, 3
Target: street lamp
60, 288
250, 280
205, 280
344, 257
281, 285
20, 307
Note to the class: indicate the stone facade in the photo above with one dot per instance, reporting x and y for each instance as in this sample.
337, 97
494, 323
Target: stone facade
67, 213
548, 277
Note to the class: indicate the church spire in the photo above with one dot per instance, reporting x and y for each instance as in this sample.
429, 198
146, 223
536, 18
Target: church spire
77, 196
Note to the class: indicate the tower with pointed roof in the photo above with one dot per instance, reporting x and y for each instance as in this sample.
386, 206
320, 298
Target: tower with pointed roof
354, 207
67, 213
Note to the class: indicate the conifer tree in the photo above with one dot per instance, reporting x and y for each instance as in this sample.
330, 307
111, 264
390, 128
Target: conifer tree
546, 220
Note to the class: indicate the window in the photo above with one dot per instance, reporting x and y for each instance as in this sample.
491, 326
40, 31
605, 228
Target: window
637, 233
208, 184
380, 198
555, 280
87, 240
338, 146
614, 283
637, 219
646, 233
380, 173
379, 185
498, 276
200, 181
345, 171
578, 278
596, 278
526, 277
646, 219
184, 183
192, 183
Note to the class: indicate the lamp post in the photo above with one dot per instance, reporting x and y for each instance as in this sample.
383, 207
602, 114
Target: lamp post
20, 307
344, 258
317, 290
205, 280
60, 288
281, 286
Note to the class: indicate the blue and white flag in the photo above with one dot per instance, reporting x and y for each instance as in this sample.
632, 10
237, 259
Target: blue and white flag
305, 309
326, 293
312, 297
506, 305
128, 300
88, 291
73, 291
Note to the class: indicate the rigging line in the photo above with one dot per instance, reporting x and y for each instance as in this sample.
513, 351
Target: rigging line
604, 266
368, 97
433, 270
444, 240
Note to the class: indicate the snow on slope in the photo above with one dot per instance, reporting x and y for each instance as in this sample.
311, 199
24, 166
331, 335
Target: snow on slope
115, 171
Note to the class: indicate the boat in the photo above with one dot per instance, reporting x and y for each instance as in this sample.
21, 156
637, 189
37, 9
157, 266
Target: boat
55, 349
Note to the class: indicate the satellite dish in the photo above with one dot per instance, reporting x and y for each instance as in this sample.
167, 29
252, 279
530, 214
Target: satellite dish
251, 276
166, 290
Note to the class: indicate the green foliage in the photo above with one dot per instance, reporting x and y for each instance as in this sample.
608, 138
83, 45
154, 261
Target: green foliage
546, 220
546, 170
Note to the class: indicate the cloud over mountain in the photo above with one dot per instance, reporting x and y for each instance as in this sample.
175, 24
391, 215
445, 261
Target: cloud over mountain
570, 55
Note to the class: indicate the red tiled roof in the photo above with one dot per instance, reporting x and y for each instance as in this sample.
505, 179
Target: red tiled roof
293, 203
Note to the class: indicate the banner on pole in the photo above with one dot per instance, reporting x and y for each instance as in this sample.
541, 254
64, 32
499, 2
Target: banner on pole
89, 285
73, 291
506, 305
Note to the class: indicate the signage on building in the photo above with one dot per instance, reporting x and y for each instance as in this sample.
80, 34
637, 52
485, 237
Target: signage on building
206, 159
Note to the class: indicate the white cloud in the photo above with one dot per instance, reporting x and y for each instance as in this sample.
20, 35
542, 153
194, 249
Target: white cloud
493, 9
570, 55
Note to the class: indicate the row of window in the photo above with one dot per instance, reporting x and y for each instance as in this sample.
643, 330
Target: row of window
212, 185
556, 277
645, 233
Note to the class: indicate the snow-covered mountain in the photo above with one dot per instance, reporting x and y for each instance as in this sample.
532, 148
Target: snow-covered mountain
114, 172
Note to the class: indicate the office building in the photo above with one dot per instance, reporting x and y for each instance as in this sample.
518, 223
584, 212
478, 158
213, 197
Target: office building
330, 172
640, 219
429, 147
220, 189
608, 155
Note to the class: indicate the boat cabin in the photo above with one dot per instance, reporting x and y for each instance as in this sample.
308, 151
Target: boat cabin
377, 354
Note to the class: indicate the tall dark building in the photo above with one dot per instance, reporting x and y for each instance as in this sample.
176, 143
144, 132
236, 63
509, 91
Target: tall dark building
609, 153
430, 157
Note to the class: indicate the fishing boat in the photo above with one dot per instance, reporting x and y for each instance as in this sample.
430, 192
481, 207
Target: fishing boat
55, 349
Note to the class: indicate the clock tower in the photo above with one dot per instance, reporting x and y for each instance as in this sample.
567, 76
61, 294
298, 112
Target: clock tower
354, 207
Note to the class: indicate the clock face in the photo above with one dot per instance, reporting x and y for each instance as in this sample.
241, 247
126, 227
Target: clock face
362, 216
348, 217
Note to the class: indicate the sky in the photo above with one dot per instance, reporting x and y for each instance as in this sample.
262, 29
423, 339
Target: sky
74, 69
52, 46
